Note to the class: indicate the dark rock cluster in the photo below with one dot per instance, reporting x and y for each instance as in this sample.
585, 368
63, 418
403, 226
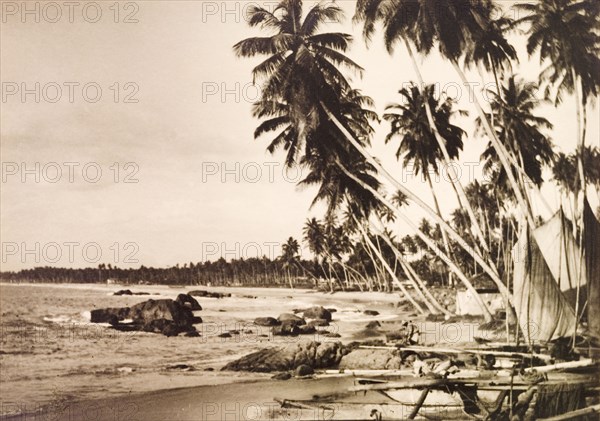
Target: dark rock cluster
290, 324
166, 316
129, 292
208, 294
297, 356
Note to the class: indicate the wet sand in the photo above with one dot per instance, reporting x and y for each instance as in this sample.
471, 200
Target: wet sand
237, 401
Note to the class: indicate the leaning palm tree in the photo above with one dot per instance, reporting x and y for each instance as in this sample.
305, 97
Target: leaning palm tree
520, 131
566, 34
418, 145
454, 26
300, 73
426, 239
489, 47
303, 93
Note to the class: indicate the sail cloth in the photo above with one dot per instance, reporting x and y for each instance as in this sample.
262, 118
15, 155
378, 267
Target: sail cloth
543, 311
591, 228
563, 256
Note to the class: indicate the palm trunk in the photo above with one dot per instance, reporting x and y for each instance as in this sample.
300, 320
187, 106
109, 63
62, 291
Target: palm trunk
418, 284
439, 212
373, 260
500, 150
430, 243
389, 269
580, 136
331, 259
358, 274
442, 144
493, 273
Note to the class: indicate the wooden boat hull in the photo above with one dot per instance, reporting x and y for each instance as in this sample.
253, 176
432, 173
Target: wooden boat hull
313, 411
436, 398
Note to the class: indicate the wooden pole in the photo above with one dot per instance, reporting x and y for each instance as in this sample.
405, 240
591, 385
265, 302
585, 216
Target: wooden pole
418, 404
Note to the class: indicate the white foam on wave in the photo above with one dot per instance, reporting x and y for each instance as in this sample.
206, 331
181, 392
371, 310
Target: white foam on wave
59, 319
63, 319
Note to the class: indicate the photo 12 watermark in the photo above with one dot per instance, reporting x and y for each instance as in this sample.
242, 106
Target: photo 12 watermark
64, 409
249, 172
69, 172
69, 92
235, 12
214, 250
69, 252
52, 12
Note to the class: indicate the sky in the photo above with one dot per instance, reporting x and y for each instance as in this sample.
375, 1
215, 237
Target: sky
127, 136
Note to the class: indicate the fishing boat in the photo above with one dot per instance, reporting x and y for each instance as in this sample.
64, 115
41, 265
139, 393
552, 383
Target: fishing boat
556, 283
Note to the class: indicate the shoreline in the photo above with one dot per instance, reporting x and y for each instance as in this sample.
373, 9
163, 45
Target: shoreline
242, 400
135, 376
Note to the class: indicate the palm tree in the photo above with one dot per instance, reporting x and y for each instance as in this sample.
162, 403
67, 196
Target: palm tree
303, 92
418, 145
490, 48
299, 74
422, 22
432, 245
289, 256
564, 171
520, 131
566, 34
456, 26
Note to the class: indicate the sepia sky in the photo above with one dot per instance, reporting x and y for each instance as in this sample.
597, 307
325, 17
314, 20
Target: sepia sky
162, 167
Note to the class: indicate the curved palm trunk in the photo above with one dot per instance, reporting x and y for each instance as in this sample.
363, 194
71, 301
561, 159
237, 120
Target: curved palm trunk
332, 260
580, 134
492, 272
356, 273
378, 270
429, 300
386, 285
419, 288
389, 269
454, 177
501, 151
439, 212
290, 278
430, 243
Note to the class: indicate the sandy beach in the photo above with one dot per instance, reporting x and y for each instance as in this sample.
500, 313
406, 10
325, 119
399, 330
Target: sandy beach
154, 377
237, 401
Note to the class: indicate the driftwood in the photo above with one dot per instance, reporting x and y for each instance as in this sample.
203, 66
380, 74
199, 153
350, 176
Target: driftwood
367, 372
407, 384
594, 409
482, 384
586, 362
463, 351
285, 403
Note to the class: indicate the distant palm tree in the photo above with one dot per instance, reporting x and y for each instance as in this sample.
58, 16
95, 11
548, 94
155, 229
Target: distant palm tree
399, 199
564, 172
289, 256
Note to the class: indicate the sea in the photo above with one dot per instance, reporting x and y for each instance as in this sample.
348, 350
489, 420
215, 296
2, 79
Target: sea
50, 353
